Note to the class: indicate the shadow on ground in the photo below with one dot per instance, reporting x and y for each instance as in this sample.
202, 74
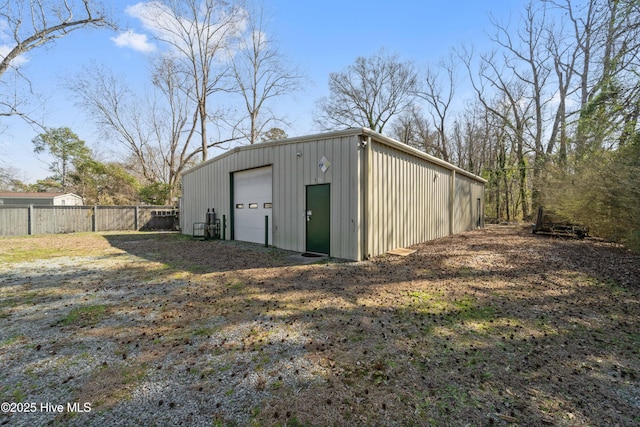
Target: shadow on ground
492, 327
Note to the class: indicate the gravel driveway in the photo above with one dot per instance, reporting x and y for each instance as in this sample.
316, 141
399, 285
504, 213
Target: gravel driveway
111, 340
493, 326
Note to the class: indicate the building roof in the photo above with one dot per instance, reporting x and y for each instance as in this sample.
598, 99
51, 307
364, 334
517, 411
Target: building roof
365, 132
33, 195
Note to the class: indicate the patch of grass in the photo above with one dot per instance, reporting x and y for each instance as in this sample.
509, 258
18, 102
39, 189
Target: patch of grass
466, 271
132, 375
477, 313
203, 331
30, 254
27, 298
32, 248
356, 336
8, 303
235, 285
15, 392
109, 385
422, 296
451, 309
276, 385
84, 316
260, 360
14, 339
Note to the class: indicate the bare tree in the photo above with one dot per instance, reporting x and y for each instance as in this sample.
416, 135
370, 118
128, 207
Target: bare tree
473, 142
602, 44
173, 123
413, 128
262, 74
202, 37
118, 113
505, 98
527, 58
368, 93
439, 95
564, 55
9, 180
596, 183
561, 86
160, 132
610, 114
34, 23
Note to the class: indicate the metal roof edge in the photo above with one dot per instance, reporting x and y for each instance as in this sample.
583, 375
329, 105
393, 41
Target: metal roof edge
292, 140
410, 150
342, 133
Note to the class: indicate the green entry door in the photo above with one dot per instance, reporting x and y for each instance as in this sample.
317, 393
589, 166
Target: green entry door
318, 215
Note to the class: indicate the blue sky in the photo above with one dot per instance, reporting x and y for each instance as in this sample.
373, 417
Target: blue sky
320, 37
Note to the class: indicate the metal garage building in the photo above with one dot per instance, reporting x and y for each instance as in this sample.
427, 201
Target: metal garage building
351, 194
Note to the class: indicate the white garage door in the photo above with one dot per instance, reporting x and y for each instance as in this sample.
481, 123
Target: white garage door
252, 191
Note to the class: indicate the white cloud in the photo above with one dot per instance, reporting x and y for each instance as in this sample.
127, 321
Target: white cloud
167, 25
134, 41
153, 15
6, 48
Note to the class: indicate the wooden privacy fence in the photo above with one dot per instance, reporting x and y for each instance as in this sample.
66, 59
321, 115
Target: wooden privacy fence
20, 220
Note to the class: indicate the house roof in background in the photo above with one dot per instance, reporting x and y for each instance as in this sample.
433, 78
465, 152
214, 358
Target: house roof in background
35, 195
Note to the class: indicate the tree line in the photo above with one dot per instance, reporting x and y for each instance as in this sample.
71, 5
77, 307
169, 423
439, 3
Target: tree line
552, 120
209, 49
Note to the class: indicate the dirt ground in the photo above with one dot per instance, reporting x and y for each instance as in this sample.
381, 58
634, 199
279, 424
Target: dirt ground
490, 327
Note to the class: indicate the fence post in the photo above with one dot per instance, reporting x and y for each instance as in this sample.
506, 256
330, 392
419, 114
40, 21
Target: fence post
136, 223
94, 219
30, 220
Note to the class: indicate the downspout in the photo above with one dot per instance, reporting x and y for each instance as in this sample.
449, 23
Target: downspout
365, 144
452, 199
231, 207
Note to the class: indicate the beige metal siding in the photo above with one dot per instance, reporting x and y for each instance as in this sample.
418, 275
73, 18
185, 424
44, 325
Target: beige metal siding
409, 199
295, 165
467, 191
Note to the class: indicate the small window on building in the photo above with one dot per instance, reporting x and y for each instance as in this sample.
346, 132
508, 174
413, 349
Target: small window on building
240, 206
63, 202
267, 205
253, 206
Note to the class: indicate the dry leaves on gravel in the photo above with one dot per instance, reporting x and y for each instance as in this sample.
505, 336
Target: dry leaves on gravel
490, 327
